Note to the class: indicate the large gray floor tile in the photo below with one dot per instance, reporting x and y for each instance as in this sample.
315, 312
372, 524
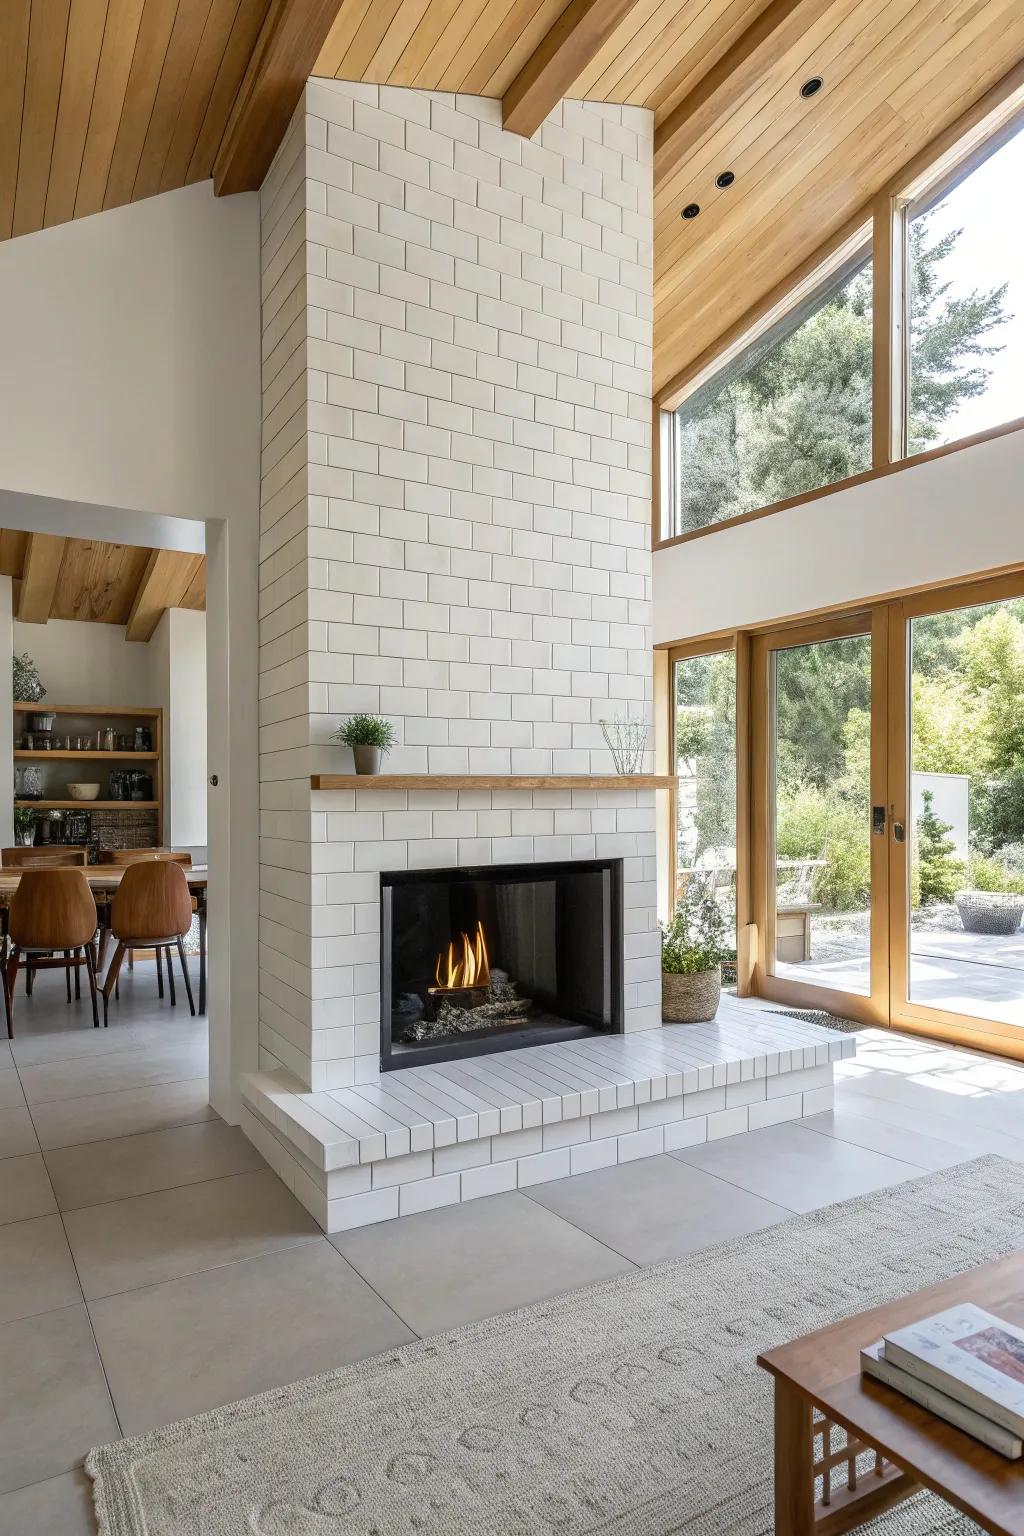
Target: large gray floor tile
70, 1122
455, 1265
6, 1059
11, 1095
138, 1165
949, 1121
17, 1135
51, 1037
193, 1344
54, 1406
36, 1270
656, 1208
115, 1070
797, 1168
897, 1141
24, 1188
62, 1506
127, 1243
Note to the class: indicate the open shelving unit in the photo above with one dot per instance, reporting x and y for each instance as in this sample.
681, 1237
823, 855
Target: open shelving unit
91, 716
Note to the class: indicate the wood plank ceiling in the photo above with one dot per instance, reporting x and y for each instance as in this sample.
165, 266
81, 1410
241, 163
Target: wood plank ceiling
106, 101
99, 583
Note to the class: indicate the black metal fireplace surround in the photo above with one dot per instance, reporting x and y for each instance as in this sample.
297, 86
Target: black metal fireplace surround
498, 958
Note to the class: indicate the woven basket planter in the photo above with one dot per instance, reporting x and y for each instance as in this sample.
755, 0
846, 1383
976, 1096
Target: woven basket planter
690, 999
989, 911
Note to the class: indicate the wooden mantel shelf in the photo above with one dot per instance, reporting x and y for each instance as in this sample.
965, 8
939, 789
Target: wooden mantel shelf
491, 781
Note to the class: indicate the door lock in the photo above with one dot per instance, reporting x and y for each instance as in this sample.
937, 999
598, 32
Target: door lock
878, 820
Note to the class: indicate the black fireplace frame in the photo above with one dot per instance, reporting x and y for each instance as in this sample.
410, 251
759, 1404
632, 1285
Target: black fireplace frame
459, 1046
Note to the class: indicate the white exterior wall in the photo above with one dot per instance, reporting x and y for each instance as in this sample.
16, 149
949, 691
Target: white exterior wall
455, 519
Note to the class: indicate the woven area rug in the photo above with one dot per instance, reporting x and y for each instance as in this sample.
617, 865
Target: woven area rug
633, 1408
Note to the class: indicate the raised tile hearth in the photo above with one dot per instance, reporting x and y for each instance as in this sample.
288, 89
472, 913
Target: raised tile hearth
436, 1135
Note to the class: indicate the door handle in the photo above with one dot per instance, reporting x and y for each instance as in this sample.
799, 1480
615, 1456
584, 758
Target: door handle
899, 831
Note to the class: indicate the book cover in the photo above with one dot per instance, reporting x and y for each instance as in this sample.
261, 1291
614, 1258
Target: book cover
874, 1363
970, 1355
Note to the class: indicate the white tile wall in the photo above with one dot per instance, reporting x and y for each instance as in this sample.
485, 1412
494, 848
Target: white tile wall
455, 518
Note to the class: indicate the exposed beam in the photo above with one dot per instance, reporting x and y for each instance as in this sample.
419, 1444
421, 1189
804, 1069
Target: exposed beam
557, 63
43, 555
166, 579
286, 51
781, 24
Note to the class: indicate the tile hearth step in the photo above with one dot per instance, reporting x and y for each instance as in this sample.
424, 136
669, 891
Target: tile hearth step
422, 1108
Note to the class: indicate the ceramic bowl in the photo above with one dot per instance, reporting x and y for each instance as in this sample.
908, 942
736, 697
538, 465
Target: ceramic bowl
84, 791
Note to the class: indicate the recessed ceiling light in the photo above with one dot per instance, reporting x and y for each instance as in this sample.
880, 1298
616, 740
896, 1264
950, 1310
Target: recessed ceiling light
691, 211
725, 178
812, 86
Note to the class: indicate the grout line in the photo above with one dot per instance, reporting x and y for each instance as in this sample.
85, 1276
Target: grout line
350, 1264
600, 1241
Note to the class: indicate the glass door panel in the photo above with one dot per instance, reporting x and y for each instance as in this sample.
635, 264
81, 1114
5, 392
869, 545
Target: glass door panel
704, 696
965, 948
820, 865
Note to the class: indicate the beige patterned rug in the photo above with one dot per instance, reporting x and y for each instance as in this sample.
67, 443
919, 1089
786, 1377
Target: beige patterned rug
633, 1408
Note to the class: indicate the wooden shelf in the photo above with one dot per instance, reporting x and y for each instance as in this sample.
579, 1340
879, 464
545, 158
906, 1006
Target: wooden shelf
491, 781
61, 756
91, 805
115, 712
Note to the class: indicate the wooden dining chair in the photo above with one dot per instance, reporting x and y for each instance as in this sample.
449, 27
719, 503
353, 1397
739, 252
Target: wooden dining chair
57, 856
152, 909
53, 910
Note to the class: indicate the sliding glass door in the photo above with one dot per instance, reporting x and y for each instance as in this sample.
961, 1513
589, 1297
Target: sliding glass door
820, 711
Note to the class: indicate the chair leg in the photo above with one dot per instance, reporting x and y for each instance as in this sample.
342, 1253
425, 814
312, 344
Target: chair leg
90, 965
79, 953
104, 946
110, 980
10, 977
29, 978
170, 979
131, 959
67, 972
159, 971
184, 971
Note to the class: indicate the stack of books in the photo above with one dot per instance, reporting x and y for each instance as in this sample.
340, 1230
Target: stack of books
963, 1365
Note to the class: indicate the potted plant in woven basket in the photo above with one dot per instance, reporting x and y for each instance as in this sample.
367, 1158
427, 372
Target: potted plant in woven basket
370, 737
693, 946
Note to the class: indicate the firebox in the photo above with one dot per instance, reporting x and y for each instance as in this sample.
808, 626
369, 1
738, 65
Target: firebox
498, 958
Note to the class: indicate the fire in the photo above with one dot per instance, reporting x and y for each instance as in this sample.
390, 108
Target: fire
465, 964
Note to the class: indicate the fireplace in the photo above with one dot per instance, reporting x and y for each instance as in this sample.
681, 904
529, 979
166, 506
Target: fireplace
498, 958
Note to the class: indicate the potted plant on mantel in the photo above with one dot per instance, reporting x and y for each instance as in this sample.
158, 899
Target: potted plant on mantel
693, 946
370, 737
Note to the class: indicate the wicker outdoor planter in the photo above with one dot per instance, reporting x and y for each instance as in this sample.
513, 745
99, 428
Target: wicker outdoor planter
989, 911
690, 999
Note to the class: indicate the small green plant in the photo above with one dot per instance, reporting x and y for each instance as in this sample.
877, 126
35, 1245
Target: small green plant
942, 873
28, 688
694, 939
24, 819
366, 731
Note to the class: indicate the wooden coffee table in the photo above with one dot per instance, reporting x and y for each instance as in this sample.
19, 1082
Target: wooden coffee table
818, 1385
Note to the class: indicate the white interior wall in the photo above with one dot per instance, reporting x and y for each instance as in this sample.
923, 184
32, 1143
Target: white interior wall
131, 384
952, 516
179, 653
83, 663
6, 719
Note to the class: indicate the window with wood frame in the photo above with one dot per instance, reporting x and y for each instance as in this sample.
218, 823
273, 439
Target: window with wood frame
788, 414
965, 301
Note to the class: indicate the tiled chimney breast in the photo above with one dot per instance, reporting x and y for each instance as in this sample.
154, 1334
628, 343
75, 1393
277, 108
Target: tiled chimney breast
455, 520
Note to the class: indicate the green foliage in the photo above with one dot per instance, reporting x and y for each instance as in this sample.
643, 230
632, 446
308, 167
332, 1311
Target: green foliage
993, 875
799, 416
366, 731
941, 873
695, 937
24, 818
814, 823
706, 738
27, 687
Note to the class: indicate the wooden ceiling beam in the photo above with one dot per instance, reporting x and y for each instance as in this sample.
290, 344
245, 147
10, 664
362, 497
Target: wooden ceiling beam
168, 575
44, 553
553, 68
286, 52
767, 40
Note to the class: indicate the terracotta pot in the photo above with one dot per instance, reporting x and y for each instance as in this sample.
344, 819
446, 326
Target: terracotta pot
690, 999
366, 759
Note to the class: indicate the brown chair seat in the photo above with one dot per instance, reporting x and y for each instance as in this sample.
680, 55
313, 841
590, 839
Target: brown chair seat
52, 910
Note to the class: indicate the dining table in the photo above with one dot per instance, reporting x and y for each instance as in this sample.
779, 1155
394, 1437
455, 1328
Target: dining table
103, 881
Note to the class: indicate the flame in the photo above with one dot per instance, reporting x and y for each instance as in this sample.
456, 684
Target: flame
465, 964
